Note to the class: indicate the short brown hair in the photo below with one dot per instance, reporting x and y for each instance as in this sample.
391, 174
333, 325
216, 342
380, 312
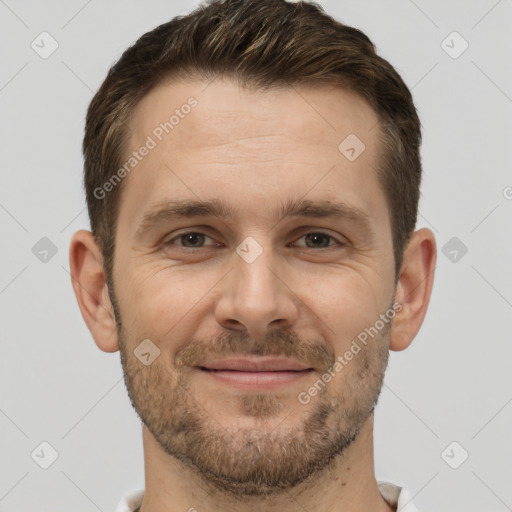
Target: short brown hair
264, 43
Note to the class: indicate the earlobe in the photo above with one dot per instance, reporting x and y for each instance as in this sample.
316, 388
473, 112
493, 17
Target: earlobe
89, 284
414, 288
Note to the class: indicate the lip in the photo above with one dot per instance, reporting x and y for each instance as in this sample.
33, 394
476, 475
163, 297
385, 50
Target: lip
273, 364
261, 373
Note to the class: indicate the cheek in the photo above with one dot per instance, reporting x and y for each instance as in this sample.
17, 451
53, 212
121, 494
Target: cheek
165, 298
164, 301
347, 300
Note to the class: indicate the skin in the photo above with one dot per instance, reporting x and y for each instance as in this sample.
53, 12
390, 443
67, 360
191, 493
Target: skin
254, 150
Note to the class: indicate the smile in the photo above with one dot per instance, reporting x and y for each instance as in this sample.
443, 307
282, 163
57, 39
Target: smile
252, 373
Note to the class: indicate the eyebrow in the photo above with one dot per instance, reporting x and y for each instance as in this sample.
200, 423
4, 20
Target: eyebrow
169, 210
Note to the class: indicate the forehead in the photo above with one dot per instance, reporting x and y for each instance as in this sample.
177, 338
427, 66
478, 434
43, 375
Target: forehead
316, 113
225, 138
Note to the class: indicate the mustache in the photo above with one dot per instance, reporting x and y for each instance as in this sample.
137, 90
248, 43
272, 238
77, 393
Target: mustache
314, 354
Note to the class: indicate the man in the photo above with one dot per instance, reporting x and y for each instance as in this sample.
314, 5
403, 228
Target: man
252, 174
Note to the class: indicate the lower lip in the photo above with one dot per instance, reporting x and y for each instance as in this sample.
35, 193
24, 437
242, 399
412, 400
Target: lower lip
259, 380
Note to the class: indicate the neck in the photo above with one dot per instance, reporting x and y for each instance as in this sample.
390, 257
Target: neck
349, 484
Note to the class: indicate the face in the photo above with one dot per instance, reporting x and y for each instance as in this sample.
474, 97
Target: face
252, 252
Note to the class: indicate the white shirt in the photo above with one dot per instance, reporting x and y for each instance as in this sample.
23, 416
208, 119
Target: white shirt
398, 497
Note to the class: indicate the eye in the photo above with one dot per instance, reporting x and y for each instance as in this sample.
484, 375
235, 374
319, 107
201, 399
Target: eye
319, 240
196, 240
190, 240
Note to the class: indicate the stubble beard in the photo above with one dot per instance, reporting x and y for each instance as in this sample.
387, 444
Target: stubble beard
261, 460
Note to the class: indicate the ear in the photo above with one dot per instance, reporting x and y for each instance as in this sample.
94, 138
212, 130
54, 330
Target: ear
89, 283
413, 288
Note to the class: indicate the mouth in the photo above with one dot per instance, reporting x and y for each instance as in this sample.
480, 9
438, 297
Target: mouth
251, 373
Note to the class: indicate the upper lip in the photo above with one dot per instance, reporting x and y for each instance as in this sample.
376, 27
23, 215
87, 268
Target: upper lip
255, 365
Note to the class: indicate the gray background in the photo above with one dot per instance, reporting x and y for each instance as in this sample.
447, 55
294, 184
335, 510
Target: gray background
452, 384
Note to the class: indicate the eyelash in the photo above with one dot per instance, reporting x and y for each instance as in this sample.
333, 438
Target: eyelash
179, 236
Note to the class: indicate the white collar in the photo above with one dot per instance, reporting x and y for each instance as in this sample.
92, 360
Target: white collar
398, 497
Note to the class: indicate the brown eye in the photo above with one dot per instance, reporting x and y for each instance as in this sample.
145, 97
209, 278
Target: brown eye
189, 240
194, 239
319, 240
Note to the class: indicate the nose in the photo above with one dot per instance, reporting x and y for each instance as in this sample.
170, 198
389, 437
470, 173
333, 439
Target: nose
257, 296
